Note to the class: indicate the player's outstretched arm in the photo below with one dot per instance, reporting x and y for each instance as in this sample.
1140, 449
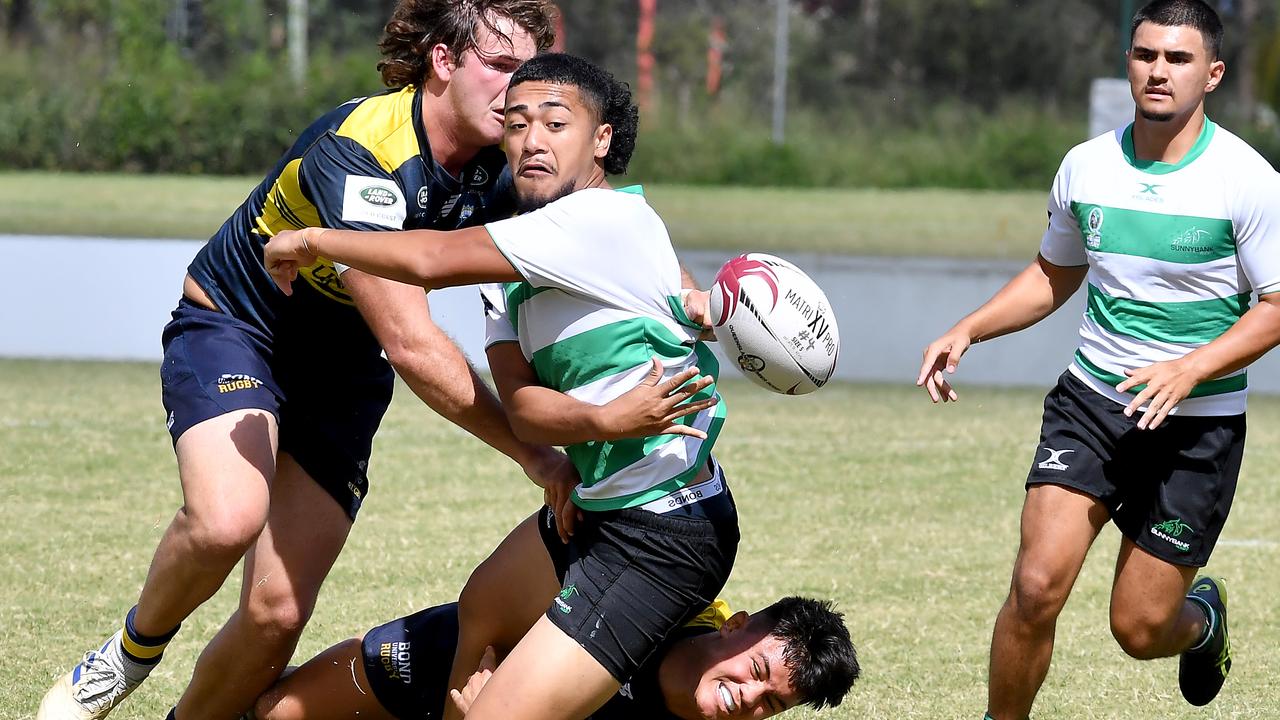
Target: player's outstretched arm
1028, 298
435, 369
427, 258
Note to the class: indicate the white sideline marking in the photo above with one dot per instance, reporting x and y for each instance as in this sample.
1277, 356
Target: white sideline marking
1249, 543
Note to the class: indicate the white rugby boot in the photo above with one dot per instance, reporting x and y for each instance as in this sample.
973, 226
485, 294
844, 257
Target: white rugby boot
101, 681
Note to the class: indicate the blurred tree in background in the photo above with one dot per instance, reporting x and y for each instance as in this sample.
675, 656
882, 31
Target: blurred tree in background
962, 93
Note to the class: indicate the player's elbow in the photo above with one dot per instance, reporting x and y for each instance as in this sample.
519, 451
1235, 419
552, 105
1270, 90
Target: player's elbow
527, 431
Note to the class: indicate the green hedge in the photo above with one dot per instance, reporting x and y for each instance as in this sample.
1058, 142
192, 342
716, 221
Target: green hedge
171, 117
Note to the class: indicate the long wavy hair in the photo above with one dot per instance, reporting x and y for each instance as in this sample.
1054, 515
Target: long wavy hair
416, 26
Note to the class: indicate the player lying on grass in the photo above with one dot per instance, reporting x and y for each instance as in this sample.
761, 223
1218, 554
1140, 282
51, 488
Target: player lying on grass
795, 651
593, 293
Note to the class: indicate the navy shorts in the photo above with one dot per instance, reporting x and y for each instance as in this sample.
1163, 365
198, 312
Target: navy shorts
328, 403
1169, 490
408, 661
629, 578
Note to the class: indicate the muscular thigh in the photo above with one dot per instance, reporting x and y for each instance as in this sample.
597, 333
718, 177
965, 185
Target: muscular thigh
513, 586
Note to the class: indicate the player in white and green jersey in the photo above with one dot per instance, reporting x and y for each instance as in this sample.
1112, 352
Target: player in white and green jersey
591, 320
1173, 224
596, 337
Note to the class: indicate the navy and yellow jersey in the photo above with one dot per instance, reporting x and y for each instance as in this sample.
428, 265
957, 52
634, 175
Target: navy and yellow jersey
407, 662
365, 165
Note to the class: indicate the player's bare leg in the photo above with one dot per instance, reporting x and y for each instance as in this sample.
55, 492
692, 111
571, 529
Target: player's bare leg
329, 686
1058, 526
283, 573
503, 598
547, 676
1150, 614
226, 465
229, 456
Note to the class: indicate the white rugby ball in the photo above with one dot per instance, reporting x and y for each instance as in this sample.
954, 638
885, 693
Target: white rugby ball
775, 323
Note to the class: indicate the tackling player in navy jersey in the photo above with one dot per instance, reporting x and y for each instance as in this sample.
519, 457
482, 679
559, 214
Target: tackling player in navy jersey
272, 402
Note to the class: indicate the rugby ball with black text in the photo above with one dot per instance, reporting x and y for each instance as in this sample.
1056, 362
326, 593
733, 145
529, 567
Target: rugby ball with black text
775, 323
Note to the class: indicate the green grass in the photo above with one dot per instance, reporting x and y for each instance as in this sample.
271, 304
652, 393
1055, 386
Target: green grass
955, 223
904, 513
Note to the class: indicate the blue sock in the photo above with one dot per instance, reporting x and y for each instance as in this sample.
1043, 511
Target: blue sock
143, 649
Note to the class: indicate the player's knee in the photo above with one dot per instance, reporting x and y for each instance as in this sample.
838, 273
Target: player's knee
274, 704
276, 613
1037, 596
476, 598
224, 533
1139, 635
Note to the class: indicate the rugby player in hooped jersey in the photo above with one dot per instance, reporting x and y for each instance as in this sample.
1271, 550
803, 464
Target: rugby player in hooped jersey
593, 291
1174, 223
273, 402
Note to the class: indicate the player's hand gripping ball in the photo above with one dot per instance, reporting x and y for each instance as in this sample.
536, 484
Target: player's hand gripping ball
775, 323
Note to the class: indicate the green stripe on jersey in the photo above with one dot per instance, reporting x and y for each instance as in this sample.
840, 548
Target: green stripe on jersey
606, 350
597, 461
1186, 323
1183, 239
1235, 383
676, 304
517, 294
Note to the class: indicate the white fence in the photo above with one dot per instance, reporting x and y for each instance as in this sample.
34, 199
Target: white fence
108, 299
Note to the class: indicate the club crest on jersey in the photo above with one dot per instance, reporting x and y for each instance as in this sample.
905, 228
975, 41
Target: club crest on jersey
1094, 238
423, 197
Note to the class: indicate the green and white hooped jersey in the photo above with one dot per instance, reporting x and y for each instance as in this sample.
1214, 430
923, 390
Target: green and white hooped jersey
600, 298
1174, 253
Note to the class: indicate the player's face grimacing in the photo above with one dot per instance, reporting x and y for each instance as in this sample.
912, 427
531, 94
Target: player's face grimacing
553, 142
1170, 70
478, 84
752, 680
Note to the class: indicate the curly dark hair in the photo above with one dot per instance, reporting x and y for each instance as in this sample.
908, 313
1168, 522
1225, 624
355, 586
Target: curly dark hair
818, 651
608, 99
416, 26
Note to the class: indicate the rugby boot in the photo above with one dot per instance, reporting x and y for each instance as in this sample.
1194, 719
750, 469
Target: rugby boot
102, 680
1202, 671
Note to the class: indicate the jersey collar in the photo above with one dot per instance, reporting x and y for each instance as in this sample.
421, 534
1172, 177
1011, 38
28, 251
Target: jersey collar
1155, 167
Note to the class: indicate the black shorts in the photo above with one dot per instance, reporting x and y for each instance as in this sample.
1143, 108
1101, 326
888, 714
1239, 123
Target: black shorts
1169, 490
408, 661
327, 402
631, 577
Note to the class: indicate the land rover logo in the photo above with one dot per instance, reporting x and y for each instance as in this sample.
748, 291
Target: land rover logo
375, 195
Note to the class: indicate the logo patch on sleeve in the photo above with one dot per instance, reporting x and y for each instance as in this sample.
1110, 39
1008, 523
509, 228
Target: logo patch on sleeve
373, 200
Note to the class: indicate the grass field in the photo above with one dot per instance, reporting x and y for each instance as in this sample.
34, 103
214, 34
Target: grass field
953, 223
904, 513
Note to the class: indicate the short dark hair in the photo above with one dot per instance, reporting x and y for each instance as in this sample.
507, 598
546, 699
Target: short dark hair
1183, 13
608, 99
818, 651
416, 26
